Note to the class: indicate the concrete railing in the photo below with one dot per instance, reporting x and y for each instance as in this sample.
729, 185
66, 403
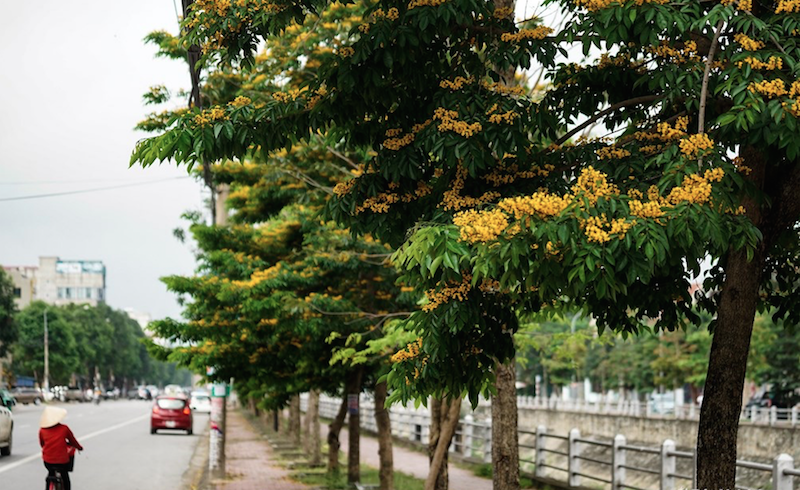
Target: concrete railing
572, 458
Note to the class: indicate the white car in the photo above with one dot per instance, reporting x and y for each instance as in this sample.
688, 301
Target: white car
6, 428
200, 402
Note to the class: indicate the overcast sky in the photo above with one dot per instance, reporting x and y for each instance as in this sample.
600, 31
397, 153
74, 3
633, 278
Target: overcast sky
71, 90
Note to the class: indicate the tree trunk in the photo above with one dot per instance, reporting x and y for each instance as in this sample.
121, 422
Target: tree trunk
722, 398
294, 419
314, 447
386, 471
333, 438
444, 419
307, 427
354, 430
505, 446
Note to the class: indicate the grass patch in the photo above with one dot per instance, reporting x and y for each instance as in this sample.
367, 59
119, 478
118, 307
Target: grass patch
369, 476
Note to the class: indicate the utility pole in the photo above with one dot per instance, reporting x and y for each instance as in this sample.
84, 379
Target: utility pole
46, 382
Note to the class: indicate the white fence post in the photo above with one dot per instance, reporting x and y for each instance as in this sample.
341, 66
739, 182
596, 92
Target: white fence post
541, 431
773, 414
794, 416
668, 462
618, 463
780, 480
466, 439
487, 441
574, 464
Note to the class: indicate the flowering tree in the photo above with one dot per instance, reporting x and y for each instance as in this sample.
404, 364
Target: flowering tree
508, 211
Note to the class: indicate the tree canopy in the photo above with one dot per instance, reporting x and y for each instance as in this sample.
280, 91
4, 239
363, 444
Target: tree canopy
501, 208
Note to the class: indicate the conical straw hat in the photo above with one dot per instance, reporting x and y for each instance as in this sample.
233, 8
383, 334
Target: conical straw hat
52, 416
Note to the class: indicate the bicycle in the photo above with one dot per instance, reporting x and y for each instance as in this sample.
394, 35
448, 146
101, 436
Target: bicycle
54, 481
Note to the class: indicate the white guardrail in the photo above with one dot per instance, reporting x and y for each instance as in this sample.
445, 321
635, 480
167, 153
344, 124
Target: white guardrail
572, 458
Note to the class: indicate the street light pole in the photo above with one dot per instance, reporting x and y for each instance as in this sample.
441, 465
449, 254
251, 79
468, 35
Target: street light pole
46, 384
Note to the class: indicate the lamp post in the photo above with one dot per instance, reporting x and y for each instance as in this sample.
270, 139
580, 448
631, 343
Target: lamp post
46, 384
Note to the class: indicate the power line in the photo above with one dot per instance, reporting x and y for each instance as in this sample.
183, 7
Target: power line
86, 191
73, 181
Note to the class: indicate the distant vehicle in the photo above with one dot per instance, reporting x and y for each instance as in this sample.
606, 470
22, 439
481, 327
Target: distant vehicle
200, 402
173, 390
6, 427
6, 398
27, 395
781, 400
153, 389
171, 412
111, 394
71, 393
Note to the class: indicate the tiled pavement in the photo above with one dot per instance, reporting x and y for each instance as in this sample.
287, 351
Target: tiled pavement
251, 461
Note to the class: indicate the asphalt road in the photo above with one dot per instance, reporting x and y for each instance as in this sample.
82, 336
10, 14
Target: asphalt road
119, 451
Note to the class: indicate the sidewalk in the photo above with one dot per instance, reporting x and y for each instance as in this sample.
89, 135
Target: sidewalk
415, 463
251, 462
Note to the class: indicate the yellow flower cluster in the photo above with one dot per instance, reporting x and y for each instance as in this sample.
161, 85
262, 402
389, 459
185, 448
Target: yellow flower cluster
422, 190
344, 188
650, 209
504, 89
259, 276
210, 115
453, 200
770, 88
682, 55
595, 5
599, 229
346, 51
695, 188
457, 83
503, 174
378, 204
787, 6
240, 101
392, 14
409, 352
539, 32
612, 153
446, 294
268, 321
425, 3
503, 13
541, 204
747, 43
286, 96
393, 142
449, 122
593, 184
606, 60
774, 63
746, 5
738, 162
480, 226
695, 144
506, 117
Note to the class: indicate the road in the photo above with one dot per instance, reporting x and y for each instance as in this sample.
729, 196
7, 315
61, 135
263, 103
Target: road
119, 451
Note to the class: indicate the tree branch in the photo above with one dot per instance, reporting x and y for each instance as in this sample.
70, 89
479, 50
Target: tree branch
625, 103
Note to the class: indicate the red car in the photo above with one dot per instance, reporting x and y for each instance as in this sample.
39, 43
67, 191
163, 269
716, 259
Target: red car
171, 412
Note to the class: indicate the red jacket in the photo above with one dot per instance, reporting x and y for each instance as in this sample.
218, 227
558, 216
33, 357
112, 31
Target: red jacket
55, 442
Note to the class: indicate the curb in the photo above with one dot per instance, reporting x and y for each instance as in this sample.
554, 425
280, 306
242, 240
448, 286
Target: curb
196, 475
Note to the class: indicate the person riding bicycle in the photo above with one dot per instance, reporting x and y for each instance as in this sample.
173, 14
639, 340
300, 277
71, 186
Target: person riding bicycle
58, 444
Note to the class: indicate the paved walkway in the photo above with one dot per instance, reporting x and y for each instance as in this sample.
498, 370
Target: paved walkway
251, 461
415, 463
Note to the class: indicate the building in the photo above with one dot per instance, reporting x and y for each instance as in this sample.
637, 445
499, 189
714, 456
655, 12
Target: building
24, 278
60, 282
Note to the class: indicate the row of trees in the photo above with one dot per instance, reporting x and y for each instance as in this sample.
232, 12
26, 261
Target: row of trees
496, 210
565, 350
87, 345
